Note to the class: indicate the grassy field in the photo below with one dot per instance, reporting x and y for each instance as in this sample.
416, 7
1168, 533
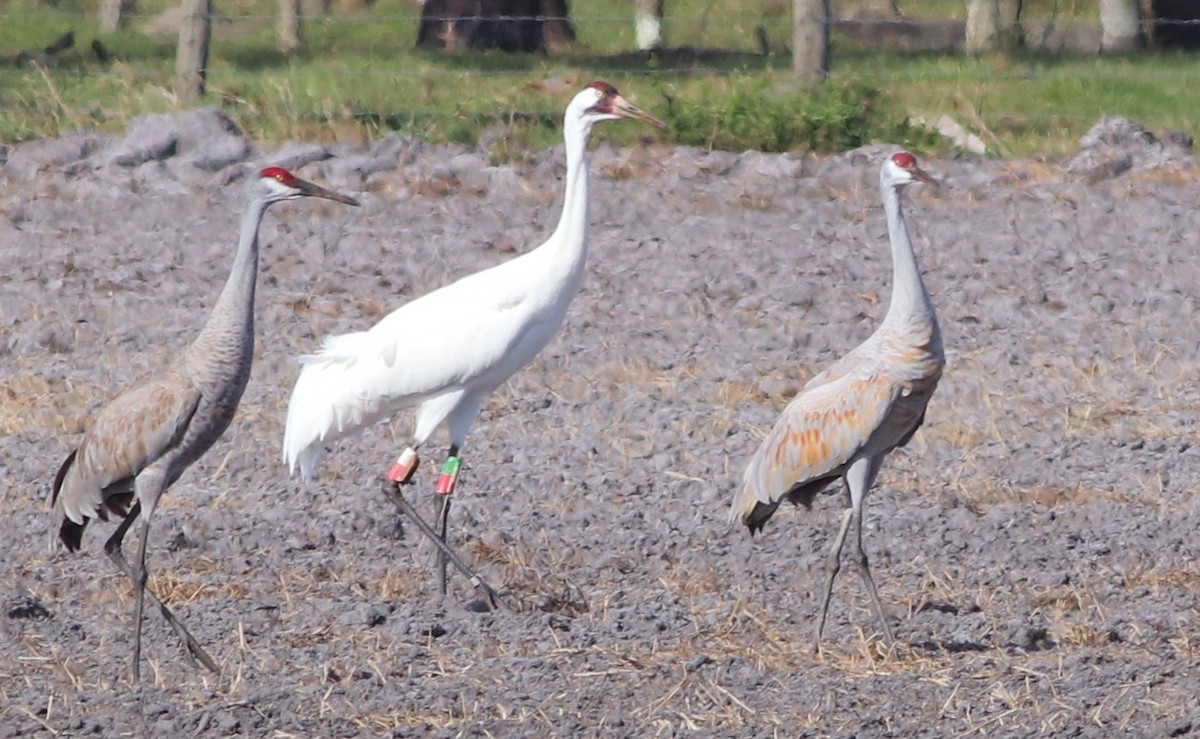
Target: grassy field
360, 75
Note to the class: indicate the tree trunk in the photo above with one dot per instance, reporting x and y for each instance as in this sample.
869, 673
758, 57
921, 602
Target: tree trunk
983, 26
1012, 34
316, 7
191, 56
810, 39
113, 14
648, 23
557, 28
1120, 30
291, 35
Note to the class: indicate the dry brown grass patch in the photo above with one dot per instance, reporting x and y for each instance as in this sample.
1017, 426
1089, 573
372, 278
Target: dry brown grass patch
996, 492
1145, 575
30, 402
172, 589
631, 168
746, 631
641, 372
733, 393
314, 638
753, 201
687, 581
397, 584
1082, 635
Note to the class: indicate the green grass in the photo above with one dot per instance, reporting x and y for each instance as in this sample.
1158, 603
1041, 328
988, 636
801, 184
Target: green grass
359, 75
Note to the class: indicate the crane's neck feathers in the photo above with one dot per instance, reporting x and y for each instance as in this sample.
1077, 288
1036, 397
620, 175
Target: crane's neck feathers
234, 310
910, 300
567, 246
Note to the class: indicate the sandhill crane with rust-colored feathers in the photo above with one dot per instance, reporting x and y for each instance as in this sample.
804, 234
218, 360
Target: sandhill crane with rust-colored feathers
847, 418
445, 352
143, 440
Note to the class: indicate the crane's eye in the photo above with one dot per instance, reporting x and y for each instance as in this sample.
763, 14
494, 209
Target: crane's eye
279, 177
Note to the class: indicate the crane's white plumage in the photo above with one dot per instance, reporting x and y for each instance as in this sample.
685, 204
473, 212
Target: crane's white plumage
847, 418
445, 352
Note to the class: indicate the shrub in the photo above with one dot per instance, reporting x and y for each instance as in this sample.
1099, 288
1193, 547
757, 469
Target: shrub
825, 118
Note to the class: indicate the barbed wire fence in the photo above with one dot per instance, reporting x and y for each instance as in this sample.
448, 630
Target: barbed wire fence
697, 45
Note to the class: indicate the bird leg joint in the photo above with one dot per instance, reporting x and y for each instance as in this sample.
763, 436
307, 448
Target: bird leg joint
449, 476
404, 467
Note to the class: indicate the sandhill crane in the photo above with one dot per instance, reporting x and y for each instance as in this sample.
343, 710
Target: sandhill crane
445, 352
847, 418
145, 438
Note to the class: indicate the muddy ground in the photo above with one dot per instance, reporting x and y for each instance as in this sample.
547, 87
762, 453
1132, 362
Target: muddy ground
1035, 545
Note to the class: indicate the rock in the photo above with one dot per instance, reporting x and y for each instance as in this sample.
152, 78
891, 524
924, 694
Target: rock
957, 133
143, 142
1115, 145
756, 164
293, 155
28, 159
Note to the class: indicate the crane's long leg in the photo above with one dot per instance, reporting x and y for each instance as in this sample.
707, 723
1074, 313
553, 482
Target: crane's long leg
444, 489
860, 479
396, 496
401, 474
443, 519
112, 548
142, 578
864, 569
861, 559
832, 565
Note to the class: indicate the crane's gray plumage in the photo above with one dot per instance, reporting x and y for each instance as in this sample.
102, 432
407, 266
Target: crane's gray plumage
849, 417
144, 439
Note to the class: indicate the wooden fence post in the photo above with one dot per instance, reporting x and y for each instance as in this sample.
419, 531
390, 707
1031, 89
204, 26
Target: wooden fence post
1119, 27
113, 14
810, 39
291, 35
191, 56
648, 23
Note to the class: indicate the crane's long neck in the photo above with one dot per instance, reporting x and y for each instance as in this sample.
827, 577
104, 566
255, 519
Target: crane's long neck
567, 246
228, 337
910, 301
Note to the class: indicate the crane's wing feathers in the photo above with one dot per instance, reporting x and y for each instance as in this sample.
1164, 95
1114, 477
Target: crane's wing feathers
817, 434
459, 335
132, 432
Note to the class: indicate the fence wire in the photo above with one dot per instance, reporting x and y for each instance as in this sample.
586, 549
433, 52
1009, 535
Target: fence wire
701, 33
624, 19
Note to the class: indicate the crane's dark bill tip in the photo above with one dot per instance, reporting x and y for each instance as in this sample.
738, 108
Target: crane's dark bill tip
316, 191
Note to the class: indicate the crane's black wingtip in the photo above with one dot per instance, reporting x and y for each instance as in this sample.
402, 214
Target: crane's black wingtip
71, 534
62, 474
758, 516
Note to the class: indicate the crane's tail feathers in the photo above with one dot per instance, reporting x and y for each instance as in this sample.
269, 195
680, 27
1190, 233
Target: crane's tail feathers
70, 532
307, 460
753, 511
71, 510
318, 409
338, 349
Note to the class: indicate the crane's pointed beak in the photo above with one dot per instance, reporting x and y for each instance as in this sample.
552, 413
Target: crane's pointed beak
622, 107
308, 189
924, 176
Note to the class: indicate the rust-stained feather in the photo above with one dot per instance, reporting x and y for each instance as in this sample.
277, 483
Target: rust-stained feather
867, 403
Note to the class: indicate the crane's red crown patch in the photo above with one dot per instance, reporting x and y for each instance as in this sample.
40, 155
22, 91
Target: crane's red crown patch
280, 174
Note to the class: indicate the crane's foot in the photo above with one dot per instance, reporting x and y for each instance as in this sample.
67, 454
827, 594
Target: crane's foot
394, 493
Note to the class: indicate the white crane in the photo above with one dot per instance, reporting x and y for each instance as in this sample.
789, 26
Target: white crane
445, 352
145, 438
847, 418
